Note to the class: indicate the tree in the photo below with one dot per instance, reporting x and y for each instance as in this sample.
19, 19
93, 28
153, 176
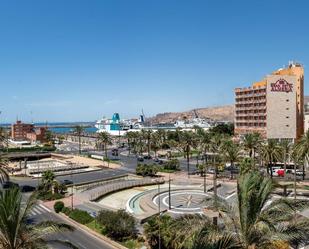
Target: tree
260, 222
104, 139
4, 176
118, 225
215, 145
231, 152
156, 142
302, 149
16, 232
223, 129
251, 143
130, 138
78, 130
285, 149
187, 141
271, 153
146, 136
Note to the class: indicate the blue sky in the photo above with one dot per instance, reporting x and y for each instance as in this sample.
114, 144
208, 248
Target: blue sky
79, 60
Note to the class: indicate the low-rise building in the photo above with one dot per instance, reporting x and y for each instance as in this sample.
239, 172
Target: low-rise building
22, 131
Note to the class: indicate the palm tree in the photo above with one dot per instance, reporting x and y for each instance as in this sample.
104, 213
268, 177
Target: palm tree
285, 147
187, 141
130, 137
104, 139
251, 143
231, 153
271, 153
78, 130
146, 136
4, 176
260, 222
215, 145
302, 149
156, 142
16, 232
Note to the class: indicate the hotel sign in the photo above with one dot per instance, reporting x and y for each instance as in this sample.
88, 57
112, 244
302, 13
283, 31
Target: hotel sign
281, 85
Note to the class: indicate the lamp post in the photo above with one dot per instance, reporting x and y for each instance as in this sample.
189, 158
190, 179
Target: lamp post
169, 192
205, 179
159, 207
72, 196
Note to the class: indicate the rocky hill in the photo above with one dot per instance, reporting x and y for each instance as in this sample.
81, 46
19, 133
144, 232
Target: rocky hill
218, 113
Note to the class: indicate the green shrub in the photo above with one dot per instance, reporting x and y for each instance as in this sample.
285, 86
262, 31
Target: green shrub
118, 225
30, 149
146, 169
49, 196
172, 164
58, 206
66, 211
80, 216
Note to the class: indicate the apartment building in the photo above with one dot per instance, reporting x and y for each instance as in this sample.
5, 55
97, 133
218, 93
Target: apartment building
272, 107
19, 130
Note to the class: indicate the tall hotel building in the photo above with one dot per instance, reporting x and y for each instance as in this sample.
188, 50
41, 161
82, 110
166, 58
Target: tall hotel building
273, 107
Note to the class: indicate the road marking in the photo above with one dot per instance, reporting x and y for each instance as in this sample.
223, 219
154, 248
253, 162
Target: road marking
45, 208
231, 195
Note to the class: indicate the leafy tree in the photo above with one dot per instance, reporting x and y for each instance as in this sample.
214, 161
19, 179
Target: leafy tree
16, 232
147, 169
118, 225
223, 129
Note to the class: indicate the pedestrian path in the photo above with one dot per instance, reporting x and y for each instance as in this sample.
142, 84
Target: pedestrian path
39, 210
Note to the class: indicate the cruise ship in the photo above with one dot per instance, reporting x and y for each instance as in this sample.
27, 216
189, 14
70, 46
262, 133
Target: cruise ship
192, 123
117, 127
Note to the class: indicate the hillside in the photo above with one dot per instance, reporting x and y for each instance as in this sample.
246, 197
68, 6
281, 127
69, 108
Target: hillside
218, 113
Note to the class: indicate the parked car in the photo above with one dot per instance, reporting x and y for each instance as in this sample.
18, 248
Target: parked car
8, 184
67, 182
140, 159
27, 188
147, 157
115, 152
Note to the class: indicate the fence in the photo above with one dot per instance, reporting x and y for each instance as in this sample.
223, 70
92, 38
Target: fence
95, 194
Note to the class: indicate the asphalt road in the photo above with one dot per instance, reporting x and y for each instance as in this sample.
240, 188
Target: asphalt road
79, 238
76, 178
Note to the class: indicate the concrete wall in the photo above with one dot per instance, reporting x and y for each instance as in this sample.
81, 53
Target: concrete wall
281, 107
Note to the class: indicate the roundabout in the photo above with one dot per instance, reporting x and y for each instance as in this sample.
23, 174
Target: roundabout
182, 201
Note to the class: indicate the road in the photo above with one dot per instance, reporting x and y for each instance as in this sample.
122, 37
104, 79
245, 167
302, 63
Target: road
79, 237
76, 178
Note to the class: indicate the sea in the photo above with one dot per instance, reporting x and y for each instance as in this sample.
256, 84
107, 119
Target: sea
64, 130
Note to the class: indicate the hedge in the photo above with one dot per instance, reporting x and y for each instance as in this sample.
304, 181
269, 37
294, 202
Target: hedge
81, 216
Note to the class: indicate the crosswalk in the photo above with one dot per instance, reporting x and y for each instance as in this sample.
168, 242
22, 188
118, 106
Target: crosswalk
39, 210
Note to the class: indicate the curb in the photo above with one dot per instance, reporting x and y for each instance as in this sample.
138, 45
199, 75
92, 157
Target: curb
93, 233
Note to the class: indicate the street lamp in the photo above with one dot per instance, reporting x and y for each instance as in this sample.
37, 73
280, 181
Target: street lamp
169, 192
159, 207
205, 172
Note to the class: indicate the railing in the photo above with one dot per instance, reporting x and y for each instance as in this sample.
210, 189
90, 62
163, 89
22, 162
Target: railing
110, 188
